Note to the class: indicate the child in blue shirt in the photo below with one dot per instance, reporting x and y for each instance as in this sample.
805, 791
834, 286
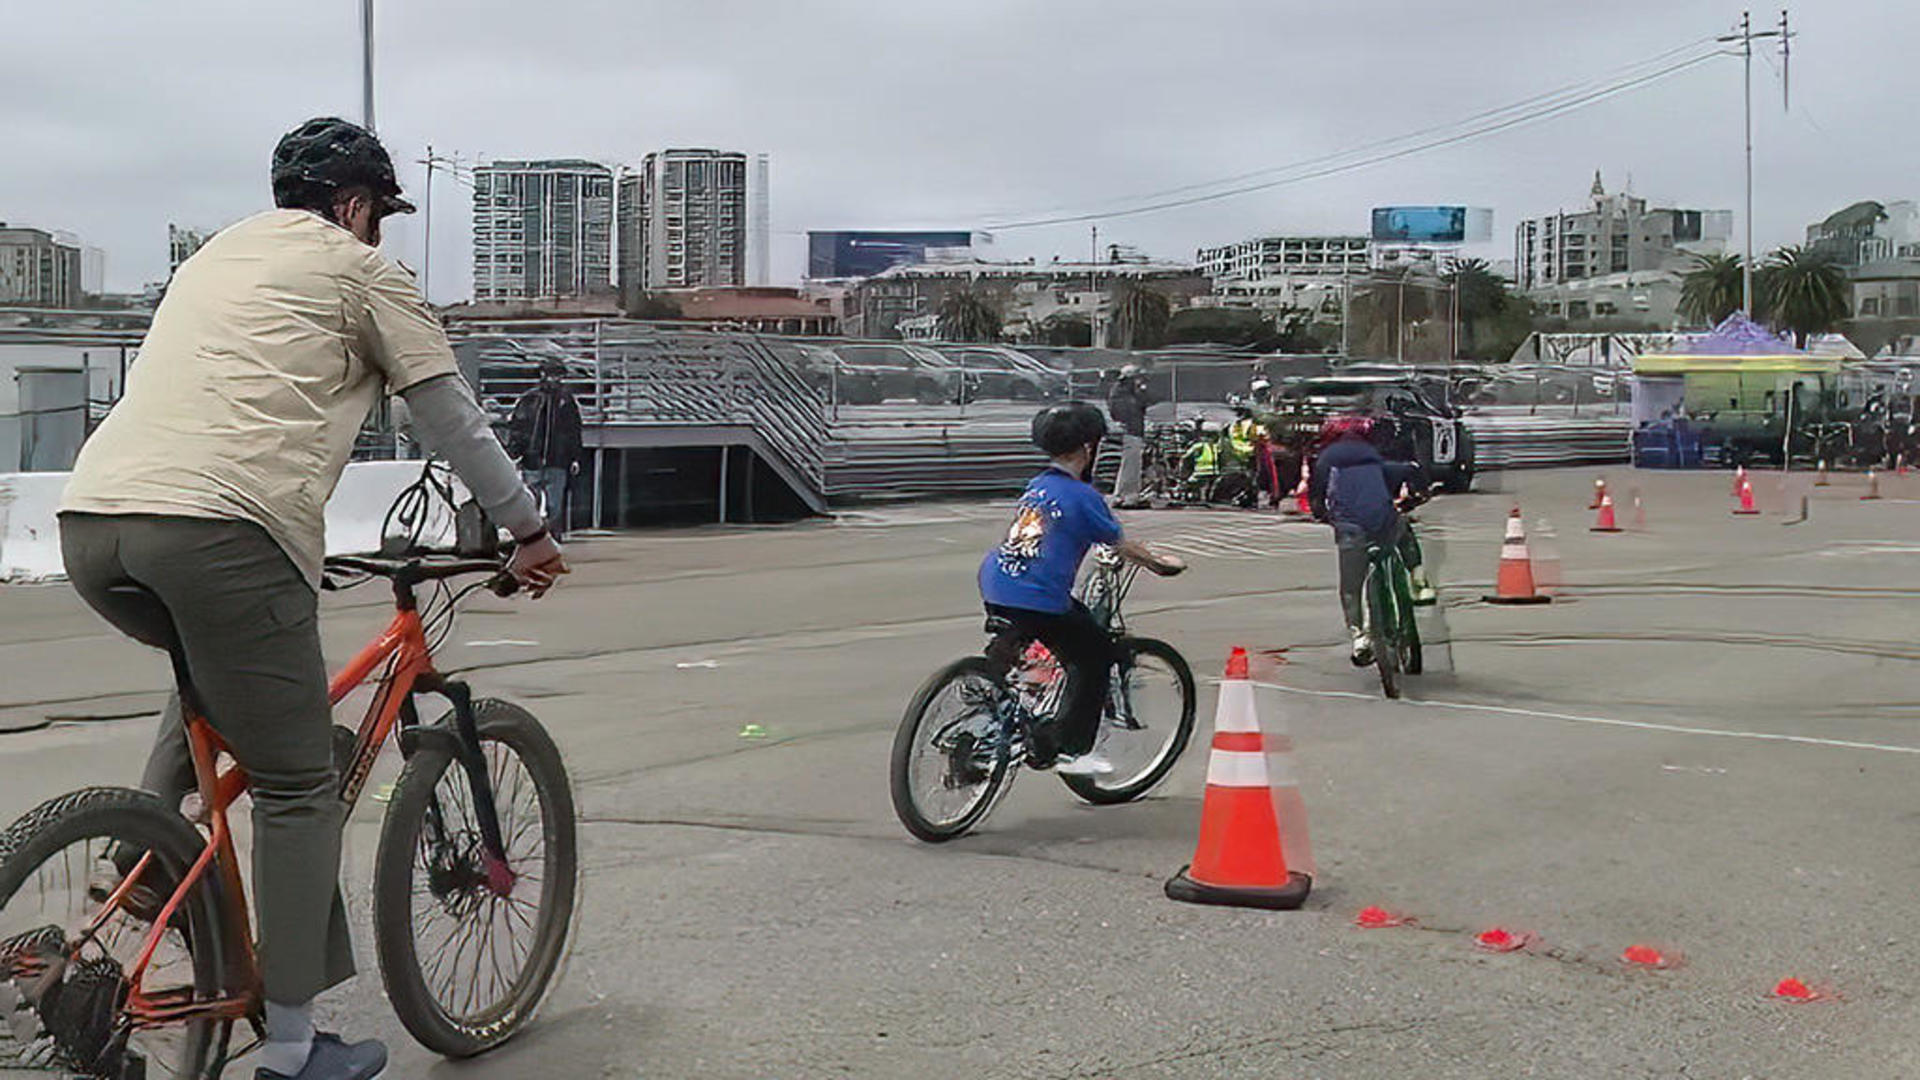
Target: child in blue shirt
1027, 579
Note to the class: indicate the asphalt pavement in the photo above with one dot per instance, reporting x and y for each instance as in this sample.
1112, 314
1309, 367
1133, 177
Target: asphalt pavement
1709, 743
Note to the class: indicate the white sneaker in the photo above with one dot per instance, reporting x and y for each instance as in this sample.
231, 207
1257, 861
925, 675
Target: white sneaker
1092, 763
1362, 648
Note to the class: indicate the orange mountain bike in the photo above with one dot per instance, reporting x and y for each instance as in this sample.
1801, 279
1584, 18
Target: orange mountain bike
125, 941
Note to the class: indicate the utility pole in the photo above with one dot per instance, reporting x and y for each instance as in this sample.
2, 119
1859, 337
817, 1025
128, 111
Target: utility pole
366, 63
1400, 323
1093, 287
1745, 37
426, 256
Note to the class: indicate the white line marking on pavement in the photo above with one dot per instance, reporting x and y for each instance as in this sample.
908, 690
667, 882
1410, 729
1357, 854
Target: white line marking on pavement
513, 642
1607, 721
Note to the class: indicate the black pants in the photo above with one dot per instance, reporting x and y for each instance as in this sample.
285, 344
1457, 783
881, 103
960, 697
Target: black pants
1352, 542
246, 625
1085, 652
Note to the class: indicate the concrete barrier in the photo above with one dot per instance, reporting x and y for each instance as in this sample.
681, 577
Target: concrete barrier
30, 532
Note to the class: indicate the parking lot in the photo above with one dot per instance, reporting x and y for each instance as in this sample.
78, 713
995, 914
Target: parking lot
1709, 743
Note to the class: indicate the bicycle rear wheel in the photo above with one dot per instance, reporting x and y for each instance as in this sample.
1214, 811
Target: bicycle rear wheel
1147, 724
60, 992
951, 759
1382, 627
467, 960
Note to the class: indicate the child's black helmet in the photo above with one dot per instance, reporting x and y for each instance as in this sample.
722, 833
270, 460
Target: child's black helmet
1064, 428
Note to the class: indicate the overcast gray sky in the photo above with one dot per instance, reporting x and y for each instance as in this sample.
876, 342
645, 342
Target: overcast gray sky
117, 116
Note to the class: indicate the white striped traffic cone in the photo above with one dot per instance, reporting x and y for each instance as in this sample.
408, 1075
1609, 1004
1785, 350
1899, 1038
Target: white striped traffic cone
1253, 849
1515, 582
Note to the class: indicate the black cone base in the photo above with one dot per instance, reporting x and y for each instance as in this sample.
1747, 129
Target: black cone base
1287, 898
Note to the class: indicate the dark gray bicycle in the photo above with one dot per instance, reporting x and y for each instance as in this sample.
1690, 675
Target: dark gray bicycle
967, 730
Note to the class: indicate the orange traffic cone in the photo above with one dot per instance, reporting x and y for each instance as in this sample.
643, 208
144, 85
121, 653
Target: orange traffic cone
1746, 500
1302, 504
1873, 486
1252, 817
1739, 480
1604, 522
1515, 582
1599, 492
1820, 478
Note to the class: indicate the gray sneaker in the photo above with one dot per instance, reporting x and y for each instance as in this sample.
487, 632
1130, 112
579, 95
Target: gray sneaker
334, 1059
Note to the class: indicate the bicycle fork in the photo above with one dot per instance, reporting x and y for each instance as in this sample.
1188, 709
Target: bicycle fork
464, 743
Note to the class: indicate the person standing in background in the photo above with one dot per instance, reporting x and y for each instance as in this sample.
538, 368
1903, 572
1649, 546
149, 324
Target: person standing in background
1128, 403
544, 434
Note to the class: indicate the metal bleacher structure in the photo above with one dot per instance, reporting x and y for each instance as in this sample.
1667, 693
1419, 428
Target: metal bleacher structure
751, 398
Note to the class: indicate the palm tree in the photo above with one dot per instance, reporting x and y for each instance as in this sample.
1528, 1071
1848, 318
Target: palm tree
968, 315
1806, 292
1712, 290
1480, 296
1140, 315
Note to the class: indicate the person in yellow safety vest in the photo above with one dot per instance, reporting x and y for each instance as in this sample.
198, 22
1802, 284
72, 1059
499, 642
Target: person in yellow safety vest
1203, 457
1241, 437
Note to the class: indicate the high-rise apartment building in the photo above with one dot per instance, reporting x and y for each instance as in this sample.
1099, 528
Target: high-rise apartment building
1619, 235
1286, 256
38, 269
542, 230
683, 222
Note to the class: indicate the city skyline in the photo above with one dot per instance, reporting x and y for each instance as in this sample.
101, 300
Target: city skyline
957, 139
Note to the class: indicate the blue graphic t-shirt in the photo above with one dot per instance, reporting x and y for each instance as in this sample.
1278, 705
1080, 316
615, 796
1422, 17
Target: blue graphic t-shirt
1058, 519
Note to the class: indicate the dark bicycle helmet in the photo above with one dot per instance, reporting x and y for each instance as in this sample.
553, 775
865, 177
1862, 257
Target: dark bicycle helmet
331, 153
1064, 428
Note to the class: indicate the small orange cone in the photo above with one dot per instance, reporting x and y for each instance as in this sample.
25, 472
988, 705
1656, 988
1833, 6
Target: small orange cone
1514, 584
1646, 956
1378, 918
1252, 809
1500, 939
1605, 521
1820, 478
1599, 492
1746, 500
1900, 465
1792, 989
1873, 486
1303, 505
1739, 480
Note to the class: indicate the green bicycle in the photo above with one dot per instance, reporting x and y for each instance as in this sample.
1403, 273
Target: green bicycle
1388, 611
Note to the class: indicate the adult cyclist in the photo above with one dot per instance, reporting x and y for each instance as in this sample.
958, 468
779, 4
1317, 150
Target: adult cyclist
1355, 489
194, 521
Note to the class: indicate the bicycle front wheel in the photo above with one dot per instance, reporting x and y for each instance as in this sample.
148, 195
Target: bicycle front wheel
1383, 628
951, 758
1147, 725
467, 960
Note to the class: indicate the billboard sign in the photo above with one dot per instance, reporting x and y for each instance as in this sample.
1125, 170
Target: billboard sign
1432, 225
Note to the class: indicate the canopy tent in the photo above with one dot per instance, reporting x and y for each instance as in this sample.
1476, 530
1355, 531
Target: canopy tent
1737, 344
1730, 394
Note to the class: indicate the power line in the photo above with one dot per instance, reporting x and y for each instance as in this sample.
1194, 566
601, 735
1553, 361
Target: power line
1547, 112
1537, 100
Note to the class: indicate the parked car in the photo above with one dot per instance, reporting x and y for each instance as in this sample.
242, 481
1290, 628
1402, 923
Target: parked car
1007, 374
899, 370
